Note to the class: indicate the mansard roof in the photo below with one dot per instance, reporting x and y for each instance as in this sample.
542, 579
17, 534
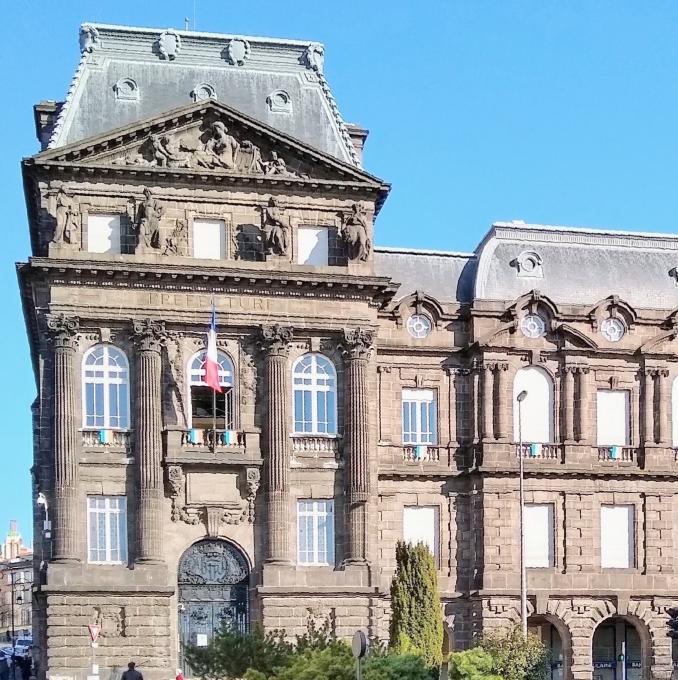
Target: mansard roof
128, 74
578, 266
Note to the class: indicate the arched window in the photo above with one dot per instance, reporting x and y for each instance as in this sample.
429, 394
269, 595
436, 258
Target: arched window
315, 395
537, 407
105, 375
203, 399
674, 412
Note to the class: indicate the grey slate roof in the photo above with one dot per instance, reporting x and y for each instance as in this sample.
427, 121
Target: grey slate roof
111, 54
448, 277
580, 266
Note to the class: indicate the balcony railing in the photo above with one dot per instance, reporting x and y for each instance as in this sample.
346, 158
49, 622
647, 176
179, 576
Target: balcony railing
547, 451
208, 438
315, 445
105, 439
421, 453
622, 454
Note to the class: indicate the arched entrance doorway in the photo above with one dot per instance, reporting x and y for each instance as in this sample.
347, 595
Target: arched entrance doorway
552, 640
213, 591
618, 651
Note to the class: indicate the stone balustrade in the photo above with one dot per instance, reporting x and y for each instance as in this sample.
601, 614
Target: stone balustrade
547, 451
106, 439
315, 445
621, 454
422, 453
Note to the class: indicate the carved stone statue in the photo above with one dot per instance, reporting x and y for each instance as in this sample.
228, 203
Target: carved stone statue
168, 153
277, 166
66, 215
220, 150
276, 226
354, 232
148, 223
249, 159
175, 243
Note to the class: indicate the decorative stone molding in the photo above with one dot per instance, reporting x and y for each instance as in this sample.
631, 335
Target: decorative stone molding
89, 39
613, 307
238, 51
202, 92
169, 44
63, 330
276, 339
314, 57
279, 101
126, 89
357, 343
528, 265
149, 335
111, 619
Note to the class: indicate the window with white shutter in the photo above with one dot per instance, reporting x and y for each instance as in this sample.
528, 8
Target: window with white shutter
103, 234
312, 246
617, 536
421, 524
536, 409
613, 417
539, 535
208, 239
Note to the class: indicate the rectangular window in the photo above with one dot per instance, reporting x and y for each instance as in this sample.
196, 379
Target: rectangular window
613, 417
312, 246
617, 536
421, 524
315, 532
103, 234
539, 535
107, 528
420, 417
209, 239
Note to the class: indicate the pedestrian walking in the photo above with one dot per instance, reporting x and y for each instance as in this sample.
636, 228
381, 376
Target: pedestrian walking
131, 673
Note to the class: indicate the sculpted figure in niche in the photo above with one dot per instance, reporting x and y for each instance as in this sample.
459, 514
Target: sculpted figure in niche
276, 226
176, 241
148, 222
220, 149
277, 166
66, 216
354, 232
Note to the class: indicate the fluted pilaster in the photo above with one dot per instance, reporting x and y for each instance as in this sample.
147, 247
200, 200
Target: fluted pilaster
357, 346
149, 337
487, 399
503, 399
568, 403
275, 342
664, 400
649, 375
583, 411
63, 332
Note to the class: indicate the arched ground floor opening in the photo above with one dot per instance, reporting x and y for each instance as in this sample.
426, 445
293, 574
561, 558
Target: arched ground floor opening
557, 644
619, 652
213, 589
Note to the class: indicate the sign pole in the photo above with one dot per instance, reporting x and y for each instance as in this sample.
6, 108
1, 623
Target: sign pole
94, 631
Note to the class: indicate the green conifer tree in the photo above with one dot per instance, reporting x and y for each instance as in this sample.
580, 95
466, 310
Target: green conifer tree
416, 617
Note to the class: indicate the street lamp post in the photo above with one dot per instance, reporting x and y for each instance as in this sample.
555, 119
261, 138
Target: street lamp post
523, 571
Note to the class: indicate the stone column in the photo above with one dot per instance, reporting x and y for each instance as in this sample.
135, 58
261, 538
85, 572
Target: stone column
568, 403
275, 341
149, 337
585, 397
64, 331
487, 401
357, 347
503, 400
648, 405
664, 401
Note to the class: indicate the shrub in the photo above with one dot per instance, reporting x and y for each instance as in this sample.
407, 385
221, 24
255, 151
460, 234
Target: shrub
516, 657
472, 664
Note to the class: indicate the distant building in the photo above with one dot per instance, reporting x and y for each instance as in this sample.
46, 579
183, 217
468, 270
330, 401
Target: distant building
368, 394
16, 581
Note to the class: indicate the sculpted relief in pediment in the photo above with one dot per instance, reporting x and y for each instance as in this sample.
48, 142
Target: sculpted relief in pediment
213, 148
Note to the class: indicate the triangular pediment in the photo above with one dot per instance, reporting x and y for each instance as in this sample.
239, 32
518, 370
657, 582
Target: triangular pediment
210, 137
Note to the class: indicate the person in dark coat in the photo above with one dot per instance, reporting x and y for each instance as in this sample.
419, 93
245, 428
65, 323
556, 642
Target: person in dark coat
4, 667
131, 673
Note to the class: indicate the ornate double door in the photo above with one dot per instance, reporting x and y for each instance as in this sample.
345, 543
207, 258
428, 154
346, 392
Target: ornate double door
213, 592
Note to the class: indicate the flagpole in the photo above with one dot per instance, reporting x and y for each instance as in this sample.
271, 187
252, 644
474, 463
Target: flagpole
214, 420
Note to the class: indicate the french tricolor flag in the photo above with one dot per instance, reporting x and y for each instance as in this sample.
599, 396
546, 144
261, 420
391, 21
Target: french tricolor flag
211, 362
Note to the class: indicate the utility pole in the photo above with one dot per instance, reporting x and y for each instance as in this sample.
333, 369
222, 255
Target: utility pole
523, 571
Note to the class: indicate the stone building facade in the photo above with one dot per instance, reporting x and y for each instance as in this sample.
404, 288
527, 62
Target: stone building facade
369, 394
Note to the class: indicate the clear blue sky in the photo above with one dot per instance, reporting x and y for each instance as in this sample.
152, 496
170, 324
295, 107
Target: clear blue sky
479, 110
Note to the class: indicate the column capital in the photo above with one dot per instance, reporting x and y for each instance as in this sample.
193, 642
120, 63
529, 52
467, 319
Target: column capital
63, 330
275, 339
149, 335
357, 343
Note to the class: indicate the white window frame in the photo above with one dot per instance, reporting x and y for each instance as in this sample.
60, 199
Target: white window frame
109, 512
533, 409
195, 375
115, 239
627, 415
114, 373
418, 435
435, 530
630, 509
320, 259
320, 380
221, 225
550, 561
316, 509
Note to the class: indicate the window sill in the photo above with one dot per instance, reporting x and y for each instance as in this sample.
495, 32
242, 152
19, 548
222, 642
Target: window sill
108, 564
322, 565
